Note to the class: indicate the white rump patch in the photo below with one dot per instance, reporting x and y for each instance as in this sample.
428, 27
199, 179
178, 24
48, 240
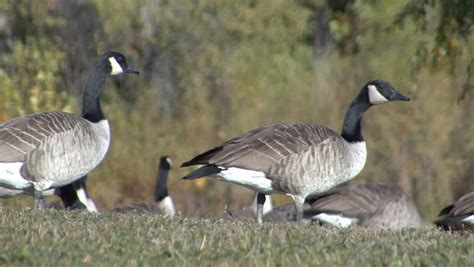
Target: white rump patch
11, 178
336, 220
251, 179
116, 68
167, 206
81, 194
469, 219
375, 97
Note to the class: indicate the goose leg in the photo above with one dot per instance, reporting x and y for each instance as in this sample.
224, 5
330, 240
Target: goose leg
260, 202
38, 195
299, 202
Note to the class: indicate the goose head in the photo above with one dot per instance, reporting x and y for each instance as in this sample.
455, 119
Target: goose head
117, 63
166, 163
380, 91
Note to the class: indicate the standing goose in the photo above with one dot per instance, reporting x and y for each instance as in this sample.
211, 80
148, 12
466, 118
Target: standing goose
52, 149
459, 215
296, 159
163, 203
369, 205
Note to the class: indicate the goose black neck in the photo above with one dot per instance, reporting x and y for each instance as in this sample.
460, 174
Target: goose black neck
161, 187
91, 109
68, 195
351, 127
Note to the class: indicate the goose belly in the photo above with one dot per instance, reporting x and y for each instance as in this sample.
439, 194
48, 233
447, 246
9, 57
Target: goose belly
66, 157
319, 169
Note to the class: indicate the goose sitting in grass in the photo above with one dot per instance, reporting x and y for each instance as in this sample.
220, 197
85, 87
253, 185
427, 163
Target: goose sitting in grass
163, 202
48, 150
369, 205
458, 216
296, 159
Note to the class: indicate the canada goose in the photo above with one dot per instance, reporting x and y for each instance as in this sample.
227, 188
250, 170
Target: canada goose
248, 213
52, 149
163, 203
296, 159
370, 205
459, 215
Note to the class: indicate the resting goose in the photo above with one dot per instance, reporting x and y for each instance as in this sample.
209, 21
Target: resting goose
459, 215
297, 159
370, 205
163, 203
52, 149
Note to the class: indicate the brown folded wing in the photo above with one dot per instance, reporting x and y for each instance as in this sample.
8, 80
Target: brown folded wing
265, 146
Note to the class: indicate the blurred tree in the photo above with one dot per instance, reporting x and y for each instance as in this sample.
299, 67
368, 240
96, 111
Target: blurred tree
452, 23
78, 37
333, 22
31, 63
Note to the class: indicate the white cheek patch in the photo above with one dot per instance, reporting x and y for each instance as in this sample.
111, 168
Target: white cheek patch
169, 162
116, 68
375, 97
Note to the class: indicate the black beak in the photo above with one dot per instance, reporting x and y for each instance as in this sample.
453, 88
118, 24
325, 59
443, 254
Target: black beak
131, 70
398, 96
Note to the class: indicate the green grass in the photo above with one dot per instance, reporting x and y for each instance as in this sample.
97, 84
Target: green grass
40, 238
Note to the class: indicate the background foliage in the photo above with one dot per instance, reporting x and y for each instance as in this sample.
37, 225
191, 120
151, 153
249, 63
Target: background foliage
213, 69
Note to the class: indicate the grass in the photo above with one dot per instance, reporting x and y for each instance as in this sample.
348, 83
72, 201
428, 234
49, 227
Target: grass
40, 238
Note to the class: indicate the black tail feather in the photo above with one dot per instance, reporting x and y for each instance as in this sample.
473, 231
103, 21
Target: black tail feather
455, 223
202, 158
202, 172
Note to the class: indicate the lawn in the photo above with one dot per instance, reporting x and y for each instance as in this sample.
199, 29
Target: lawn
29, 237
